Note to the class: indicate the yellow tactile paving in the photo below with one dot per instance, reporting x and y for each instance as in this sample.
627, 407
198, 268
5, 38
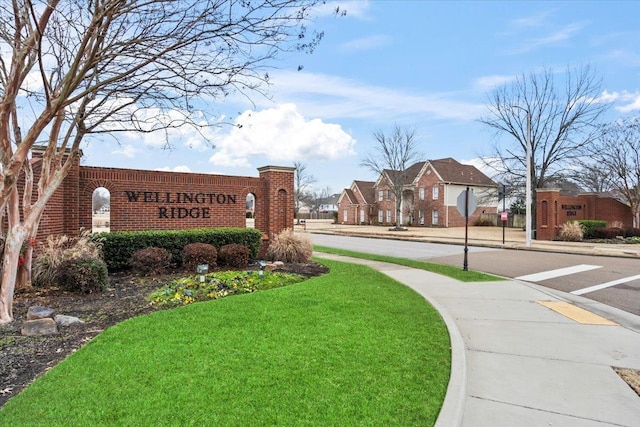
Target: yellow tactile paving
576, 314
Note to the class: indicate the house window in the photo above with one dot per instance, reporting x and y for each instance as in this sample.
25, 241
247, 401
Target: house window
421, 217
380, 216
361, 216
345, 215
434, 217
435, 192
388, 215
380, 195
421, 193
388, 194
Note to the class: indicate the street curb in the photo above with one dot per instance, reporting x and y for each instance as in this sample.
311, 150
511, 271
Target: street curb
454, 401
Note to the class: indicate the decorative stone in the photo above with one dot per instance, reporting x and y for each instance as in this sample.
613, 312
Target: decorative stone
278, 263
64, 320
39, 327
37, 312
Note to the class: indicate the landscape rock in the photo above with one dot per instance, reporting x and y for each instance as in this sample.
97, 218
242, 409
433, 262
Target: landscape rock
37, 312
64, 320
39, 327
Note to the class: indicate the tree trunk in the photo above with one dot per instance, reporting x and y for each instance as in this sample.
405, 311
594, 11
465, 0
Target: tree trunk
15, 238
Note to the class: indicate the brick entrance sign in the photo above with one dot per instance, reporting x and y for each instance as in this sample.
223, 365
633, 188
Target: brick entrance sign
554, 209
154, 200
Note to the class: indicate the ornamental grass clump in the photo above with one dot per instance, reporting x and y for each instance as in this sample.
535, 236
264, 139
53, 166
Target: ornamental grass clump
571, 232
288, 247
51, 253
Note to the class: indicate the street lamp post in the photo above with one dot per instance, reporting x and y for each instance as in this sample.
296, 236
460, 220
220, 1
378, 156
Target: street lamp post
527, 239
528, 199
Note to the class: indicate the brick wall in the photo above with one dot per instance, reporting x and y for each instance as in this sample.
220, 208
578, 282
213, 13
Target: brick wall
155, 200
555, 209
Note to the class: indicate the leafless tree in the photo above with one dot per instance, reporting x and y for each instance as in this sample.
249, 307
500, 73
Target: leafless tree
592, 177
101, 198
70, 69
317, 198
564, 123
301, 188
394, 154
618, 154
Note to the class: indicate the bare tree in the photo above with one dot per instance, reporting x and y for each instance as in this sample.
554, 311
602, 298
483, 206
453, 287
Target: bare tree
618, 154
70, 69
394, 154
101, 198
564, 122
302, 188
592, 177
317, 198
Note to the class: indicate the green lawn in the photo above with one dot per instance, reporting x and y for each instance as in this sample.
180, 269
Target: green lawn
352, 347
446, 270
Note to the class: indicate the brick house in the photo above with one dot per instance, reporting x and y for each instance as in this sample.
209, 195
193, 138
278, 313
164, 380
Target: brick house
429, 196
356, 204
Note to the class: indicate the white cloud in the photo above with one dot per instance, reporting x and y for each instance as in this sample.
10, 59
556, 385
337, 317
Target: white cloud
633, 105
486, 83
554, 38
281, 134
366, 43
179, 168
355, 8
327, 96
627, 101
126, 150
531, 21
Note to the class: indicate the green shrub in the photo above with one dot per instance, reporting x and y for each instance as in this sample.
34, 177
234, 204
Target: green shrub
195, 254
234, 255
571, 232
150, 261
49, 255
119, 246
589, 225
287, 247
608, 233
84, 275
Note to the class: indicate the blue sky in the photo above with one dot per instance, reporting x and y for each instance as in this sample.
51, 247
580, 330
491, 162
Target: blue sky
424, 65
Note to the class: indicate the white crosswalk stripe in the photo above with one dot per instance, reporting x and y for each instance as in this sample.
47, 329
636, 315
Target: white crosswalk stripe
605, 285
551, 274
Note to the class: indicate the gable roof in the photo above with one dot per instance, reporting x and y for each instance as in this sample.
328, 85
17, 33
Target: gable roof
366, 189
348, 193
453, 172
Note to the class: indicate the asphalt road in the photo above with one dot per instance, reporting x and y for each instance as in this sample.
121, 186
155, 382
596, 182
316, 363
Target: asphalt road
582, 275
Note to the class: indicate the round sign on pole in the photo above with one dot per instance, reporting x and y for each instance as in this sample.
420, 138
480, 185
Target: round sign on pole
462, 203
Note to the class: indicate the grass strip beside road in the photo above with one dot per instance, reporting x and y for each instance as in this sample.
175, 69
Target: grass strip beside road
445, 270
352, 347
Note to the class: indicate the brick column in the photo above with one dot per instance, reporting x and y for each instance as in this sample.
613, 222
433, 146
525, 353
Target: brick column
277, 205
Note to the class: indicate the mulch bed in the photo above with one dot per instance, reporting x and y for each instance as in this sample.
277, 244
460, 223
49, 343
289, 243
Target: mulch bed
26, 358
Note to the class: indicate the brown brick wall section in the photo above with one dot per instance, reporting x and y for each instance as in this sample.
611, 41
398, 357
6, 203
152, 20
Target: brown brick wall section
555, 209
155, 200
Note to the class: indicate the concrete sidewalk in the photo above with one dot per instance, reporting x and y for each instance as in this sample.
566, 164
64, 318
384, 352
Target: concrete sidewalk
523, 355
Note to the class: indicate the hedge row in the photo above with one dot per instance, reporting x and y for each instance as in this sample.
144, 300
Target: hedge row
118, 246
590, 225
